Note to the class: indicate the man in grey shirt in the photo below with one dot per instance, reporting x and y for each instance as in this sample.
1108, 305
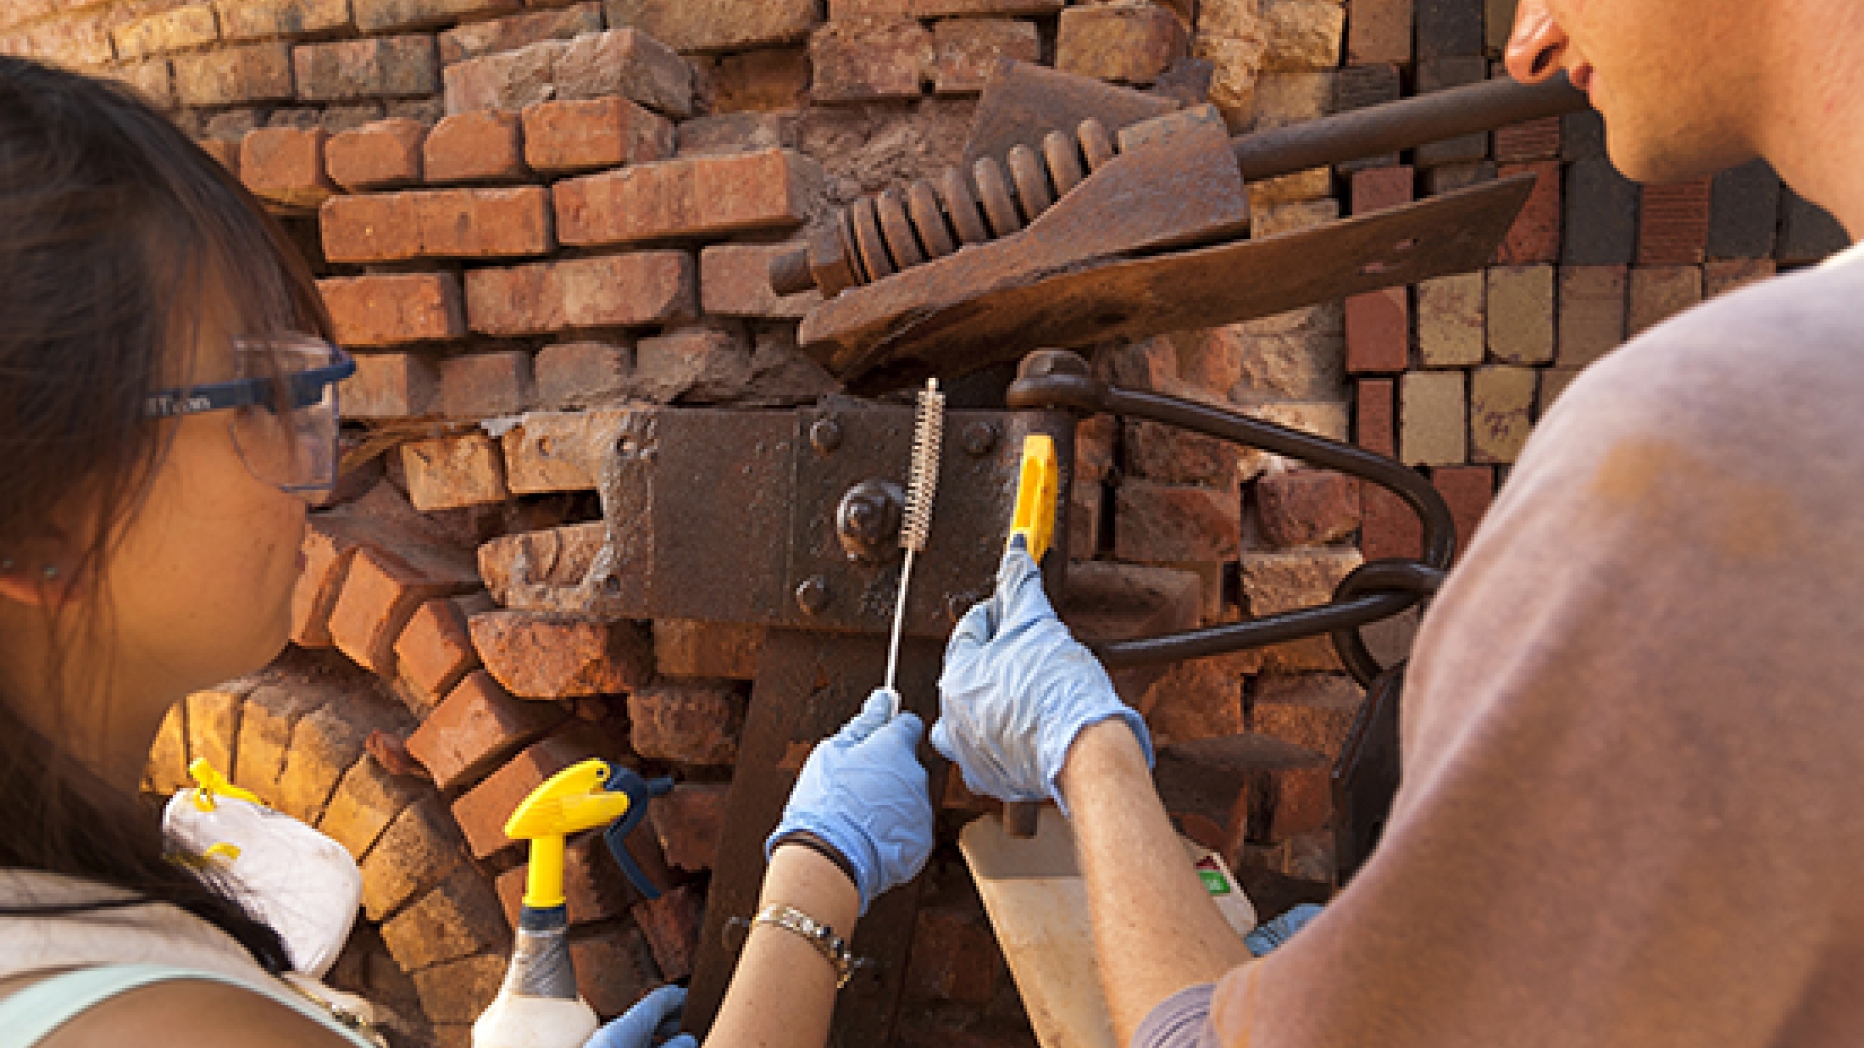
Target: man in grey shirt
1633, 813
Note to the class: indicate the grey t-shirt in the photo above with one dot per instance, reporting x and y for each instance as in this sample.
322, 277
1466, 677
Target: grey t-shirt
1633, 805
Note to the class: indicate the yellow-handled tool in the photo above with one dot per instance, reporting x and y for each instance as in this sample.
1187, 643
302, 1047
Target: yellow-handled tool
573, 800
1037, 488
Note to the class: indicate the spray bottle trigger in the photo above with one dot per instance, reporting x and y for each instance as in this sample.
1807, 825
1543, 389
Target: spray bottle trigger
639, 791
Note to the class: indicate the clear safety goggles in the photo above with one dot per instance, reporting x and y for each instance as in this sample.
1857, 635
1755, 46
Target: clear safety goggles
283, 408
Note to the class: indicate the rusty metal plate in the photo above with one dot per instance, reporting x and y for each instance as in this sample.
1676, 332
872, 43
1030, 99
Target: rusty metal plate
808, 685
939, 320
1023, 102
698, 505
978, 473
724, 516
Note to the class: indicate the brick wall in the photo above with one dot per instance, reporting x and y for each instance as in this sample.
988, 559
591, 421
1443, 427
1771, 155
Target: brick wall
531, 216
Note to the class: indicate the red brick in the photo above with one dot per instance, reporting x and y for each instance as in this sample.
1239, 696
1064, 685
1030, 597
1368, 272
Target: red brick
286, 165
1673, 224
1378, 31
486, 385
417, 851
224, 152
380, 594
454, 472
671, 924
235, 76
383, 67
1378, 331
761, 81
1173, 456
1376, 417
581, 374
508, 81
1534, 140
557, 451
870, 59
392, 309
1307, 507
597, 132
718, 25
966, 49
633, 290
1383, 187
458, 918
614, 969
477, 39
688, 823
1314, 710
539, 656
452, 994
1129, 44
694, 366
954, 956
686, 723
371, 228
445, 223
1468, 490
381, 16
1388, 527
770, 189
625, 63
734, 281
482, 146
391, 385
382, 155
1535, 235
328, 549
484, 809
264, 19
476, 727
1174, 524
175, 30
434, 650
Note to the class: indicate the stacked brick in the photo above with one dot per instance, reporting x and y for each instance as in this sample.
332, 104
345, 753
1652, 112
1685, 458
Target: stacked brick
1452, 375
531, 217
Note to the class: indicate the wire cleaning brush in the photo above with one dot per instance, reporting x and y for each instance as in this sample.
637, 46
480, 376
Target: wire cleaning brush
921, 486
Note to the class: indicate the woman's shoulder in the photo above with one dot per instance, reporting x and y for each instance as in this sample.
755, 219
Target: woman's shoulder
182, 1010
54, 923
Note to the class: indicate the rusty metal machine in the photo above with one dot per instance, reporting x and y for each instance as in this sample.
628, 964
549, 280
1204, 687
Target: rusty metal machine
1111, 214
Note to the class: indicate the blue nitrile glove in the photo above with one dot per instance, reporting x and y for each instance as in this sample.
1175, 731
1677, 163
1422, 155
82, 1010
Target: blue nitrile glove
863, 791
1018, 688
1267, 937
654, 1016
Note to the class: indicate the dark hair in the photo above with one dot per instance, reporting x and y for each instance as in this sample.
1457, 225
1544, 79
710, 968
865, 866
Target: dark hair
114, 230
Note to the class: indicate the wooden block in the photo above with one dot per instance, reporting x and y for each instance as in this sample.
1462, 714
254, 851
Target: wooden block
1744, 212
1601, 215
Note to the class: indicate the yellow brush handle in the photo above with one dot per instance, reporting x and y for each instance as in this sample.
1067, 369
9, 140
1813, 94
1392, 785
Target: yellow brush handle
1036, 489
571, 801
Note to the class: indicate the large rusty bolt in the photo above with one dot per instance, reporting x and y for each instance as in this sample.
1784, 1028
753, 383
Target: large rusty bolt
868, 519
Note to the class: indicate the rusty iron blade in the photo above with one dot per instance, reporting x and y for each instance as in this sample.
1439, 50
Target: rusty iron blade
954, 316
1023, 102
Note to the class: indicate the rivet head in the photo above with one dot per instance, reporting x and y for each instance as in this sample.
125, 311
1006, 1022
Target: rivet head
980, 438
825, 435
812, 595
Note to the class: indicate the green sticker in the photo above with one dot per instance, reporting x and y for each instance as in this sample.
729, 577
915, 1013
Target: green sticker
1215, 883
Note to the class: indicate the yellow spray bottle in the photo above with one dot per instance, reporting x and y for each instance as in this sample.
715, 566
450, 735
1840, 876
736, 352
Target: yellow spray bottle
538, 1005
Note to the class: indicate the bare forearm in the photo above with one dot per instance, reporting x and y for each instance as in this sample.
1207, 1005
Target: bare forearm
783, 992
1156, 930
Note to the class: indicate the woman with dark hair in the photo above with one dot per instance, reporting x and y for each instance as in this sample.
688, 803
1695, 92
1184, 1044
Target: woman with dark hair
167, 412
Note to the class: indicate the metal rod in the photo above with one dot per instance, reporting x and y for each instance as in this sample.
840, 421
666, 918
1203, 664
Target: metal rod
899, 620
1406, 124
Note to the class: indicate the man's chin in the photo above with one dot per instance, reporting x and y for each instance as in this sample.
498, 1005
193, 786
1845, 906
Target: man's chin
1654, 161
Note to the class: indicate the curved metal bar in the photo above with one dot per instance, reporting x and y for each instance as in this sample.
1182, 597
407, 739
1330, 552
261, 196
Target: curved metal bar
1408, 577
1049, 385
